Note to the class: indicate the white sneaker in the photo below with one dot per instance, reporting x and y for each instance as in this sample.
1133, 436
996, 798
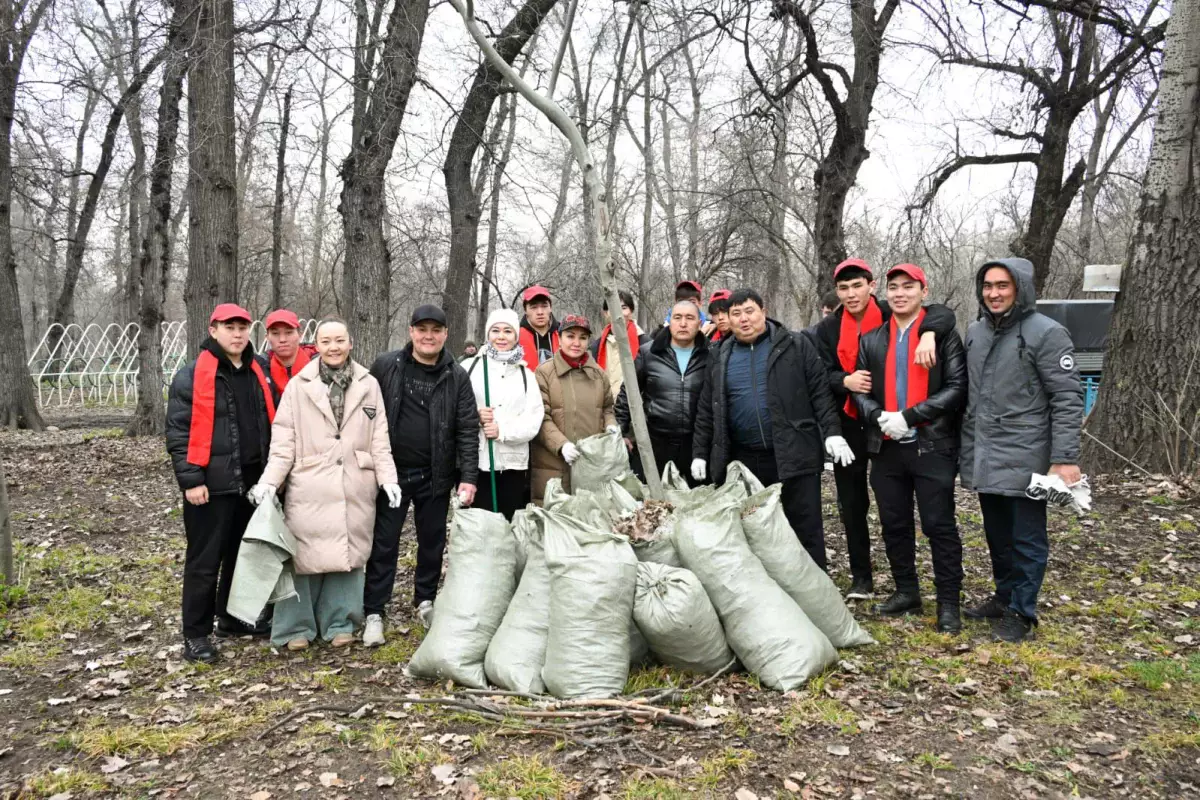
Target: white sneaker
425, 613
373, 632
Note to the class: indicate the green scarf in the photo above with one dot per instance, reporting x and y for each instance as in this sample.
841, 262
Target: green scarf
338, 381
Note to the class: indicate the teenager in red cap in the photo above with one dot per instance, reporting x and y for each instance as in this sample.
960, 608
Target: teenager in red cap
287, 355
837, 337
911, 417
718, 326
539, 330
219, 416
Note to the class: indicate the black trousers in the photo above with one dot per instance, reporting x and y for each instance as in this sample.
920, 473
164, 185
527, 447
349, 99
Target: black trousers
801, 498
512, 491
854, 500
898, 472
429, 518
1019, 546
667, 449
214, 536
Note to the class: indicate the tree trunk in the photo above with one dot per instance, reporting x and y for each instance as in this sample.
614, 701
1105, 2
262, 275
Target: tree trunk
489, 264
155, 253
62, 306
378, 112
212, 276
468, 134
7, 574
277, 213
1149, 405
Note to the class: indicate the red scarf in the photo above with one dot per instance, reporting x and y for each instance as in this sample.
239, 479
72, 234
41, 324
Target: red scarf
574, 363
204, 404
602, 350
847, 347
281, 374
918, 376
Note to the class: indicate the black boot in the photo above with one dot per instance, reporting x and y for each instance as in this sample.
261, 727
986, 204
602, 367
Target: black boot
899, 603
948, 619
861, 589
1013, 628
988, 609
199, 649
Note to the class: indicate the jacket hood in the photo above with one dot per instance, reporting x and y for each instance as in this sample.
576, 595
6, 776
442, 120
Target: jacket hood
1021, 270
662, 341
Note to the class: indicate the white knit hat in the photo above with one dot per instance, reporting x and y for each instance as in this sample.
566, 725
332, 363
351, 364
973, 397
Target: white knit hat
505, 315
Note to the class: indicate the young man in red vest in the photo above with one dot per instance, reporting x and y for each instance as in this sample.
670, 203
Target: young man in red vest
219, 418
538, 336
911, 416
287, 355
837, 337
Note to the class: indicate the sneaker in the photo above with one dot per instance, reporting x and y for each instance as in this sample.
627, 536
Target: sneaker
988, 609
425, 613
899, 603
948, 619
199, 649
1013, 628
373, 631
298, 644
342, 640
861, 589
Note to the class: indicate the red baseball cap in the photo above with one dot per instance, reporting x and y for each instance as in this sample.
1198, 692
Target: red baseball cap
533, 292
693, 284
720, 294
282, 316
911, 270
228, 311
851, 263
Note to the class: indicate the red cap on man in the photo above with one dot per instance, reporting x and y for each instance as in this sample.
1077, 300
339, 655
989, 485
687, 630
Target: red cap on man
282, 316
911, 270
851, 263
534, 292
229, 311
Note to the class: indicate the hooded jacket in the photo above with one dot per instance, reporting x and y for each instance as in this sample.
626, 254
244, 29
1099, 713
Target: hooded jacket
1025, 403
527, 338
803, 411
517, 406
453, 415
669, 398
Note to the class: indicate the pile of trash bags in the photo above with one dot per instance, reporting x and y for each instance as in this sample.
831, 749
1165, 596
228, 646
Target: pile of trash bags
570, 596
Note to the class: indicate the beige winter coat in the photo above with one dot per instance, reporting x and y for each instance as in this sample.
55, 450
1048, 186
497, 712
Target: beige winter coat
332, 477
577, 404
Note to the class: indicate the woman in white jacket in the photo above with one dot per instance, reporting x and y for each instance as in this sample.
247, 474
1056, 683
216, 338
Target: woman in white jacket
510, 415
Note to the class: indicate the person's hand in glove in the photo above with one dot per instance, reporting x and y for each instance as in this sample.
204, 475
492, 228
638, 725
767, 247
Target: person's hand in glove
893, 425
260, 493
614, 430
839, 451
699, 469
569, 452
392, 491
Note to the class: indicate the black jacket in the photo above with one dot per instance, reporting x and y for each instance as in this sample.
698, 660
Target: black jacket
803, 411
938, 318
669, 399
936, 418
223, 475
453, 416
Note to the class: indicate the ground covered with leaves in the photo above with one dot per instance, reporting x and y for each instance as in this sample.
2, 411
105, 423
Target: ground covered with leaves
95, 698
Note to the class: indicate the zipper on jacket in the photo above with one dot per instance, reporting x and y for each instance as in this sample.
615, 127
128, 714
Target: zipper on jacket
762, 434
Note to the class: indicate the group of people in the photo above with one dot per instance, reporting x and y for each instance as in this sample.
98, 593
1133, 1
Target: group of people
886, 383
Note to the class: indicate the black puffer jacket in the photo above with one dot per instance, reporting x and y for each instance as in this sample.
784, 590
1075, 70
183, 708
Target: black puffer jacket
936, 418
669, 399
224, 472
803, 411
454, 418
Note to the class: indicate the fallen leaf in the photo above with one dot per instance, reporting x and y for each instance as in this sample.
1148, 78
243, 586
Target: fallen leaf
329, 779
58, 701
115, 764
988, 722
385, 780
263, 795
745, 794
838, 750
444, 773
791, 785
1007, 744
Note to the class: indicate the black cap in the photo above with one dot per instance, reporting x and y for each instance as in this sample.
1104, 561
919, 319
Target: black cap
428, 313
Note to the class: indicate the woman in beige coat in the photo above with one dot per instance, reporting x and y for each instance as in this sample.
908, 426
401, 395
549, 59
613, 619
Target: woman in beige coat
577, 404
330, 444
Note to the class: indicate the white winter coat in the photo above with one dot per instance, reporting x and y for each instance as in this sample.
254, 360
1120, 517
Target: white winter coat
517, 405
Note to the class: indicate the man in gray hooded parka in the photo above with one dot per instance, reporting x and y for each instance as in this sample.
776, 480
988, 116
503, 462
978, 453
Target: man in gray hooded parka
1024, 413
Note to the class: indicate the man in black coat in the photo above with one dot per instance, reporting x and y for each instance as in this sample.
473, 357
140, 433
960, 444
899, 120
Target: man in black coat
219, 414
434, 427
766, 402
670, 373
911, 417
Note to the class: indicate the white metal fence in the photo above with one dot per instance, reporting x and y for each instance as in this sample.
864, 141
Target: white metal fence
97, 365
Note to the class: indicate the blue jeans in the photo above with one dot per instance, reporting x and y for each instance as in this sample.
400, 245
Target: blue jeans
1020, 548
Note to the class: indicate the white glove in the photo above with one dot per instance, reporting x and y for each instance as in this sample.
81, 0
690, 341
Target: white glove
613, 429
839, 451
570, 452
699, 469
1052, 489
260, 493
893, 425
393, 494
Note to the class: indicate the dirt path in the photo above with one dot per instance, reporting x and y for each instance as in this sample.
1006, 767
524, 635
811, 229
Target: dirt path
95, 699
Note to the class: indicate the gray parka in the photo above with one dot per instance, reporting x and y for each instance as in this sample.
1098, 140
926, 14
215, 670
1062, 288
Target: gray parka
1025, 401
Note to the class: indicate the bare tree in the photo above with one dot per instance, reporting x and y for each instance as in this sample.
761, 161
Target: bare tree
277, 210
1149, 407
7, 575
